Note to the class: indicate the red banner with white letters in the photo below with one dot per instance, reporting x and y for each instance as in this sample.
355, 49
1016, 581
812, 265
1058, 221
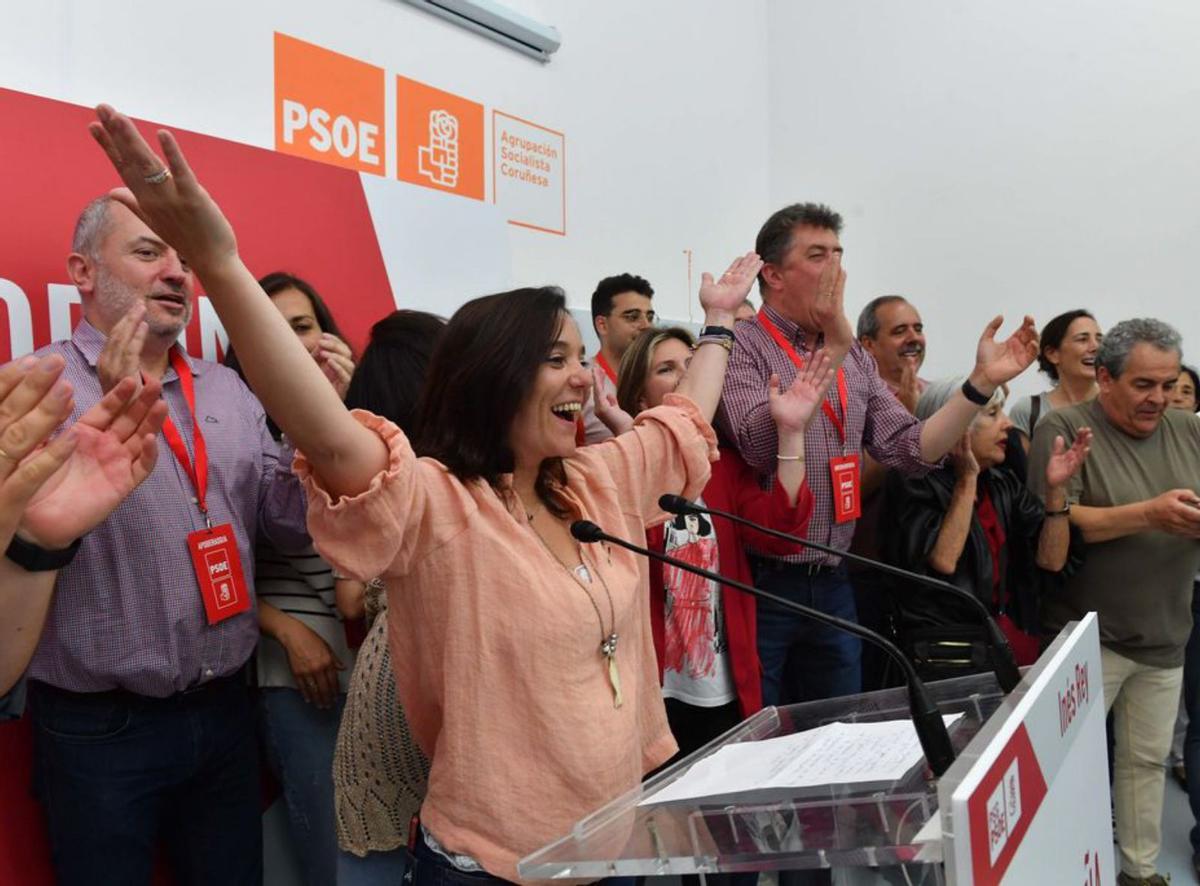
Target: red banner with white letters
308, 218
290, 214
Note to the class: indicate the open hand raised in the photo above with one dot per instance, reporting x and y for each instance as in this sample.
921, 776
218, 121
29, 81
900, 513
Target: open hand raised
794, 408
166, 196
1065, 463
1000, 362
731, 288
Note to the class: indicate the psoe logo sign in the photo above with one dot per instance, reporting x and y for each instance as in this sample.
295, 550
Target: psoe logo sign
1004, 810
328, 107
438, 160
439, 139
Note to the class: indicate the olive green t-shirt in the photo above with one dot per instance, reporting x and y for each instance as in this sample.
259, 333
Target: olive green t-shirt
1141, 585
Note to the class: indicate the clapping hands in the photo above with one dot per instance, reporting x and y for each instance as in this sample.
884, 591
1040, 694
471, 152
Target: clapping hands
53, 493
1065, 463
794, 408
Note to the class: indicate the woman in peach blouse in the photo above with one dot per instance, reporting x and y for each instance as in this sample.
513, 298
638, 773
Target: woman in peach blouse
524, 661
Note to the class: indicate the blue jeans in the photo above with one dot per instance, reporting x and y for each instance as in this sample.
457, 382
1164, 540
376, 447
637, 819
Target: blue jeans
299, 739
1191, 700
826, 662
116, 773
374, 868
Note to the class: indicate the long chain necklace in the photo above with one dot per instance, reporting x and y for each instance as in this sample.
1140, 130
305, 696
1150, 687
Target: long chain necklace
608, 639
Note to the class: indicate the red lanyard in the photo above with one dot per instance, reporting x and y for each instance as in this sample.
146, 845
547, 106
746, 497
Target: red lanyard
608, 370
198, 474
786, 347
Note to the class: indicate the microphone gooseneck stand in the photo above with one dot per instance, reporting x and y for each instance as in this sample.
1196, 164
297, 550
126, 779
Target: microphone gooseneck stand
927, 719
1004, 664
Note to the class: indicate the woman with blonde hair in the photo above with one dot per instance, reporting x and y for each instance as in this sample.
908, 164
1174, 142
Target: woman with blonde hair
705, 634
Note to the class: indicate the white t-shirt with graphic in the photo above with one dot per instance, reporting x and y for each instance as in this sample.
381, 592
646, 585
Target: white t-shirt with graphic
696, 667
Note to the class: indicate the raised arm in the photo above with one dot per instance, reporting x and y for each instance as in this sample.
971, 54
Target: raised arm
719, 298
282, 373
996, 363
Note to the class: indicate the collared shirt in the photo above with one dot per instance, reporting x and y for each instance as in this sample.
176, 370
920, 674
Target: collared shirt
877, 421
127, 611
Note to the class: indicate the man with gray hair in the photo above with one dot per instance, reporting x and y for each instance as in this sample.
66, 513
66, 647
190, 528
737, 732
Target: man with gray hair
143, 722
1137, 505
891, 331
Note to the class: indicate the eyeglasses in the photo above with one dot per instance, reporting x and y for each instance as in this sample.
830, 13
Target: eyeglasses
635, 316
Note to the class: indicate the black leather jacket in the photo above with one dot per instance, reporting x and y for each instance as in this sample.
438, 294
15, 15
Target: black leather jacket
913, 510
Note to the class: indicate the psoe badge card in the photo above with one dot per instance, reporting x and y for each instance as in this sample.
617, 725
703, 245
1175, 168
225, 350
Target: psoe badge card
219, 572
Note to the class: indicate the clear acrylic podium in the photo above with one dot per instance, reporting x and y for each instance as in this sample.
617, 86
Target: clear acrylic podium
877, 834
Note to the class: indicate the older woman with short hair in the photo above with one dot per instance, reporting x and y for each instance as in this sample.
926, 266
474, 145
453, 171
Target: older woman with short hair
974, 523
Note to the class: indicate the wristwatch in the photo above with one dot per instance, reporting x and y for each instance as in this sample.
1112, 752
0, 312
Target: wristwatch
1061, 512
34, 558
972, 393
715, 331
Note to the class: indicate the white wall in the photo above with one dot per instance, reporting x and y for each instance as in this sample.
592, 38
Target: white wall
662, 105
988, 156
1018, 156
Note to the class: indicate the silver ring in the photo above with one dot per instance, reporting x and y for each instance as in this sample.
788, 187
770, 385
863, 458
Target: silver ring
159, 177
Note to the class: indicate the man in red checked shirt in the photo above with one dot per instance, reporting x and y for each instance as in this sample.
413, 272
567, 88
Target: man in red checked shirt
621, 309
802, 286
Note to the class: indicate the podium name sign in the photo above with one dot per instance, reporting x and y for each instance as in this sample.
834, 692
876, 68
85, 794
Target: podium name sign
1033, 807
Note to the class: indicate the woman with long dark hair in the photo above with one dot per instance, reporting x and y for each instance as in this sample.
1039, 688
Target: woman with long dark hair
1067, 356
524, 661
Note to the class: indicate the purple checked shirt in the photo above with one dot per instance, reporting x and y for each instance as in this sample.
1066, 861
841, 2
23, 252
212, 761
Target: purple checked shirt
877, 422
127, 611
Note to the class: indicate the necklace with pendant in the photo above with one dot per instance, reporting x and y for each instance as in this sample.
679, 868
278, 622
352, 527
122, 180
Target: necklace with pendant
608, 639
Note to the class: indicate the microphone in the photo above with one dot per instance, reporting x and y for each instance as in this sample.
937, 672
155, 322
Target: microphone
1004, 663
927, 719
